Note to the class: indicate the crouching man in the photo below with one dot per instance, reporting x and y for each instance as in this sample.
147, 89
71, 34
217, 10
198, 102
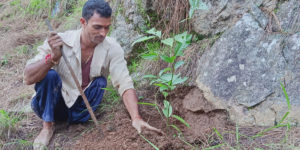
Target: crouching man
89, 52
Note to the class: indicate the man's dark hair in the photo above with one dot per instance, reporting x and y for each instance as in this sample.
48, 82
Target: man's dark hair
99, 6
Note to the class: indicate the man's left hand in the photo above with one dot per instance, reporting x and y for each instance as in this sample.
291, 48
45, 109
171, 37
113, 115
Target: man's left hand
140, 124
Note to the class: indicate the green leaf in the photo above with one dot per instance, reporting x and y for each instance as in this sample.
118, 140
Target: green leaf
165, 94
178, 64
176, 128
153, 31
168, 59
181, 37
145, 38
178, 80
149, 76
154, 146
150, 56
181, 120
286, 96
166, 77
167, 111
196, 4
218, 133
149, 104
168, 42
284, 117
164, 70
162, 87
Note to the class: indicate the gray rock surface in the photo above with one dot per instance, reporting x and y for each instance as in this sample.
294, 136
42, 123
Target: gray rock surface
243, 70
128, 19
223, 14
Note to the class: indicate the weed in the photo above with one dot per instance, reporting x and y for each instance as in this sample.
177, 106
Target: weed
37, 6
110, 99
15, 2
23, 49
4, 60
18, 144
154, 146
8, 122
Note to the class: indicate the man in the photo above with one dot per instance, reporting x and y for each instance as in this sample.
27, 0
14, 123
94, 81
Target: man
89, 52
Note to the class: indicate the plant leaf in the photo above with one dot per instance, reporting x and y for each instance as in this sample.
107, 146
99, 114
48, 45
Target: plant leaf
179, 80
218, 133
168, 42
166, 77
178, 64
167, 109
142, 39
151, 56
153, 31
286, 97
168, 59
164, 70
181, 120
165, 94
149, 76
149, 104
154, 146
162, 87
176, 128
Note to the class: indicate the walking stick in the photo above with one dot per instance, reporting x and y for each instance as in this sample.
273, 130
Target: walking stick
76, 80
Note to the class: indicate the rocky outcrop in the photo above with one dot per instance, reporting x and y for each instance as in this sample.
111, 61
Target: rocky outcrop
127, 19
243, 70
223, 14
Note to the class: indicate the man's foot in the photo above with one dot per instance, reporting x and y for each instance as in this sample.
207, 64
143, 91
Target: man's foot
43, 139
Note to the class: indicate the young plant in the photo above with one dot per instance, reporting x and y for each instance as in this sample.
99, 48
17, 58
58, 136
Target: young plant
167, 79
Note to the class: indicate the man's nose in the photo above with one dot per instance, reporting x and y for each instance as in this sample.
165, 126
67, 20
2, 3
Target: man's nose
103, 32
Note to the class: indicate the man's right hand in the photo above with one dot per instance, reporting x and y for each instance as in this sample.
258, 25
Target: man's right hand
55, 42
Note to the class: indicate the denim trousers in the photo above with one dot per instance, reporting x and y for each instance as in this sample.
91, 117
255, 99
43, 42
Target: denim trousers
49, 104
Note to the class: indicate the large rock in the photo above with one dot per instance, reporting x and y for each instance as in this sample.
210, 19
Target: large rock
243, 70
127, 21
223, 14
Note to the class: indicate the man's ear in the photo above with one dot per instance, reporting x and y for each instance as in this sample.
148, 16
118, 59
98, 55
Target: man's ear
83, 22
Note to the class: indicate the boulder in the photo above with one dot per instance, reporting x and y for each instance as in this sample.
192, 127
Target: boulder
127, 21
223, 14
243, 70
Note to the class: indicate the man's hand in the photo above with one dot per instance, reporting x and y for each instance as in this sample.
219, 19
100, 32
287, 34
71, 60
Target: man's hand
56, 43
139, 124
131, 102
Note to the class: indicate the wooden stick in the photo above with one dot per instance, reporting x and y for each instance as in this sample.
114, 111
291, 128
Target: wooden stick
85, 100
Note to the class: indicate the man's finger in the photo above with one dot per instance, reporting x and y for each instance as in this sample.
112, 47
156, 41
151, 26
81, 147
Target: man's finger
152, 128
52, 33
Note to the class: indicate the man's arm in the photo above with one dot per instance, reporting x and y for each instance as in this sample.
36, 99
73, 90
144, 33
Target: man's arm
35, 72
130, 100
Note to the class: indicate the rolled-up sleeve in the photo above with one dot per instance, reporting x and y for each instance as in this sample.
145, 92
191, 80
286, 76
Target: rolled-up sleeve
42, 50
118, 69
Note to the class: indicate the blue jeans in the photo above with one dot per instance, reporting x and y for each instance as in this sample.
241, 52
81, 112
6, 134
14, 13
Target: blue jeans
49, 104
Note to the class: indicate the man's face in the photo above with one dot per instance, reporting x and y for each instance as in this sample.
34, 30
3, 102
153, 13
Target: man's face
96, 28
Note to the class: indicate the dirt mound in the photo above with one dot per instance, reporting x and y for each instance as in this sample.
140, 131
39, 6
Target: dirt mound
119, 134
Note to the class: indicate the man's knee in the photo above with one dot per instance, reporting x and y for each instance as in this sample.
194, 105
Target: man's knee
100, 82
51, 75
52, 78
